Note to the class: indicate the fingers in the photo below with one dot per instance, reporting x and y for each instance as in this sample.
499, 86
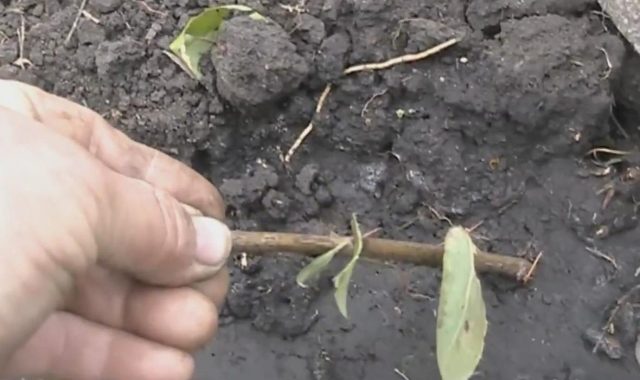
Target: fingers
181, 317
113, 147
97, 352
215, 289
149, 234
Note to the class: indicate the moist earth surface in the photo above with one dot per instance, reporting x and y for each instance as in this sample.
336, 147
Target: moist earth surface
493, 132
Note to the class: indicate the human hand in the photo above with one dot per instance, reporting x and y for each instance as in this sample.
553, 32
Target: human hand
104, 275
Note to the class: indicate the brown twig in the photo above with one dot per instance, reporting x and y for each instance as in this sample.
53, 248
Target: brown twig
261, 243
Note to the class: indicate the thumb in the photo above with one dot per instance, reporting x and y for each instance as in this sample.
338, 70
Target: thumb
147, 233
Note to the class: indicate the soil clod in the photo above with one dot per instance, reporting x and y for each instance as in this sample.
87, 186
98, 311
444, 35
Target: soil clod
256, 62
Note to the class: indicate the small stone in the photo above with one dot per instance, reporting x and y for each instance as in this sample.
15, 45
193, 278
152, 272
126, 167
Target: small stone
106, 6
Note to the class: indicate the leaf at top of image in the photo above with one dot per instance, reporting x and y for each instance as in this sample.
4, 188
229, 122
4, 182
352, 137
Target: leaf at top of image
198, 35
461, 321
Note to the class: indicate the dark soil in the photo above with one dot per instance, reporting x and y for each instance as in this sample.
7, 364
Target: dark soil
494, 129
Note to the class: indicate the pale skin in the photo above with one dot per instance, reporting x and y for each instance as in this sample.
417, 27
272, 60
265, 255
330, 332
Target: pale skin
103, 272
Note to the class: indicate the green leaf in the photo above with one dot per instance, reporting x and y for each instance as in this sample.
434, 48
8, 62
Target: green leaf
461, 322
317, 265
341, 280
198, 36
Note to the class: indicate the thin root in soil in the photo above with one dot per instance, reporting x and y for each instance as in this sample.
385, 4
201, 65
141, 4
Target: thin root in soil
365, 67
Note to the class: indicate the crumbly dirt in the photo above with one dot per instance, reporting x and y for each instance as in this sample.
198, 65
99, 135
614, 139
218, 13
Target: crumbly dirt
495, 130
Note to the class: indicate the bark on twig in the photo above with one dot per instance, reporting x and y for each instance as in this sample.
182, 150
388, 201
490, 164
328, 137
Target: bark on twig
260, 243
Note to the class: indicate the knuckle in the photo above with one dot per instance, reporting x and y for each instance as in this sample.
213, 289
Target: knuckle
178, 234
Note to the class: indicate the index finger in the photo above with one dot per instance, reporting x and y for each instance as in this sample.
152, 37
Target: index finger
111, 146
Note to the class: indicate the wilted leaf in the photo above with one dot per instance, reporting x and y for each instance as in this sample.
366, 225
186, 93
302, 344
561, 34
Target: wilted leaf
461, 322
317, 265
341, 280
198, 36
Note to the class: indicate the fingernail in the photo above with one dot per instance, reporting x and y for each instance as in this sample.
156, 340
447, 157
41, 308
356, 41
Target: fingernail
213, 241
